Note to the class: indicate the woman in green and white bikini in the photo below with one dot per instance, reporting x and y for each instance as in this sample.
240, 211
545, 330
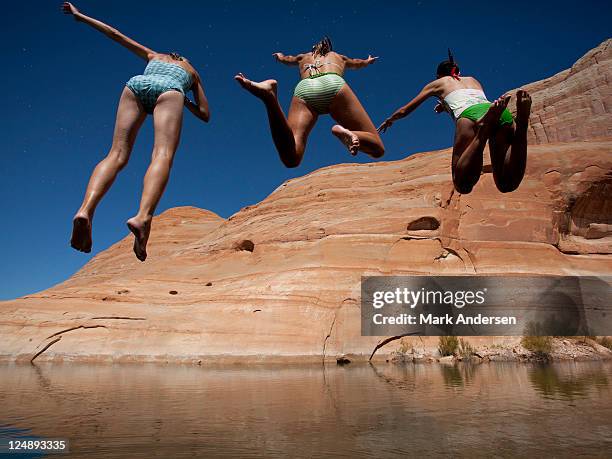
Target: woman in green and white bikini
477, 120
322, 90
161, 92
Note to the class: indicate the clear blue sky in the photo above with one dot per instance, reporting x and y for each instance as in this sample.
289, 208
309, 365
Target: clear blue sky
61, 82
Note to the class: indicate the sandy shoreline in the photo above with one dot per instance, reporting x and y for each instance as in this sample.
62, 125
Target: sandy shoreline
563, 349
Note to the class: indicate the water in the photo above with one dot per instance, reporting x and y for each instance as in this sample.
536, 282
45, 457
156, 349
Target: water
144, 411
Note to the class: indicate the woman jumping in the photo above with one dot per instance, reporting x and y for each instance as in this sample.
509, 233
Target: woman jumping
322, 90
477, 120
159, 91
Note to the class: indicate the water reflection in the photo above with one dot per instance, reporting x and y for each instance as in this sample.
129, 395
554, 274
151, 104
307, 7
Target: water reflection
566, 382
278, 411
459, 375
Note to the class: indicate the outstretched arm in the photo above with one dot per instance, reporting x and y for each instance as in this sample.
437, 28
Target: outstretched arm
200, 107
109, 31
358, 63
426, 93
288, 60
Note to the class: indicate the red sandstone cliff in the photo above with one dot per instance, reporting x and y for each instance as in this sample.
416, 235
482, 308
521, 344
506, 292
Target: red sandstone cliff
282, 278
574, 104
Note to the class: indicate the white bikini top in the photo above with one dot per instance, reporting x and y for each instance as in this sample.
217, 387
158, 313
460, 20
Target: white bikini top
460, 99
317, 66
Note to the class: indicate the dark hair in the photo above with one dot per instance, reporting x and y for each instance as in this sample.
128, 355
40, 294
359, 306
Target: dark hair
323, 47
448, 67
176, 56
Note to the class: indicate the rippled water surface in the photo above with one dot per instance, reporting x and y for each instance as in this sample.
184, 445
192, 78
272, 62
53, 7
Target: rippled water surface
309, 411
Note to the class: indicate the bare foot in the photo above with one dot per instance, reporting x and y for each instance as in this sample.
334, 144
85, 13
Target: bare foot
141, 230
491, 118
348, 138
81, 233
523, 107
263, 90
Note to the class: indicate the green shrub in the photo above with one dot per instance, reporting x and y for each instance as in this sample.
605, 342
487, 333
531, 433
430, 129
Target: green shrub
538, 344
404, 346
465, 349
447, 345
605, 341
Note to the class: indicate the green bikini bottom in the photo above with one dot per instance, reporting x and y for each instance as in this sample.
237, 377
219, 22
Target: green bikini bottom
319, 90
475, 112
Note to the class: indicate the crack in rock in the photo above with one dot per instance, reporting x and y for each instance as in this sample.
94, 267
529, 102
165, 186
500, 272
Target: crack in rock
118, 318
444, 247
329, 335
449, 251
59, 335
444, 205
45, 348
75, 328
388, 340
470, 256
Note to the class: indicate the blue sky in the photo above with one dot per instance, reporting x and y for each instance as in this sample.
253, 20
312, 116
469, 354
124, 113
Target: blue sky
62, 81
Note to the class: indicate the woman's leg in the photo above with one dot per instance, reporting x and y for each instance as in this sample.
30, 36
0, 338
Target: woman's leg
509, 166
301, 120
167, 122
467, 155
355, 128
289, 135
130, 116
470, 140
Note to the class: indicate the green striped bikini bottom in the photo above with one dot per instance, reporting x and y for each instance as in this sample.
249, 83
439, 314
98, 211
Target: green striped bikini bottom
319, 90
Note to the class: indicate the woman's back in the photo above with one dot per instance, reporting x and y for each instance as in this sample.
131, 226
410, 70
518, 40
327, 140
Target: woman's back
181, 62
170, 72
312, 64
449, 84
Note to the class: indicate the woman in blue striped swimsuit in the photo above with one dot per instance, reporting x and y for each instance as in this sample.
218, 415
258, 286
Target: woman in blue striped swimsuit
161, 92
322, 90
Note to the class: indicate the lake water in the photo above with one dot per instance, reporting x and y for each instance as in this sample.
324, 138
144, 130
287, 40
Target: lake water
360, 410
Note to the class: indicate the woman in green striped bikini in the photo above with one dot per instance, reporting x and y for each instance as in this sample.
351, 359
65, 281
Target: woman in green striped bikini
322, 90
477, 120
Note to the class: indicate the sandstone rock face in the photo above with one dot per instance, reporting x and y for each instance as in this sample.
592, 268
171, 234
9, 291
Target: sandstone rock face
575, 104
281, 279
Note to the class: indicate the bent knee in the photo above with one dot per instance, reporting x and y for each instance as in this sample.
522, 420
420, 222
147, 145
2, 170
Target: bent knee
507, 187
463, 186
378, 151
293, 158
463, 189
464, 183
292, 162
